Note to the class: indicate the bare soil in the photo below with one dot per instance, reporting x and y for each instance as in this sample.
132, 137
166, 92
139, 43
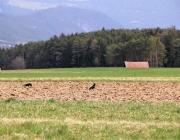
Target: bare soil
104, 91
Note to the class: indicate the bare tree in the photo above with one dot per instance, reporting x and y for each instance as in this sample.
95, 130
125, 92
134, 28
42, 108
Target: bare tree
18, 63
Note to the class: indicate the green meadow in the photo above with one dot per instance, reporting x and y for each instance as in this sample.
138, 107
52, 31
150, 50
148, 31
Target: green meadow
87, 73
79, 120
87, 120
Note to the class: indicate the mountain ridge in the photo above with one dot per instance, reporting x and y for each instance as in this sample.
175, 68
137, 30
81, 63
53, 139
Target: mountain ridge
43, 24
130, 13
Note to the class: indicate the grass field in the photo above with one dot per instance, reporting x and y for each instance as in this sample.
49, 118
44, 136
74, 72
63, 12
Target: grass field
92, 74
52, 119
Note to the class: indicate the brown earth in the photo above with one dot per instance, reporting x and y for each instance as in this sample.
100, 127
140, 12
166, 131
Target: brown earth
104, 91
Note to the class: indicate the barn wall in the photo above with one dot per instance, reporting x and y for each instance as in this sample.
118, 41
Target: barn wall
129, 64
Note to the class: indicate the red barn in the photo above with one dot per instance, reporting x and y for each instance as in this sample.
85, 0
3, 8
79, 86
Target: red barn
130, 64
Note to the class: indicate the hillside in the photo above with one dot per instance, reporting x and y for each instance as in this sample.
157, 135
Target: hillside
130, 13
41, 25
70, 20
27, 20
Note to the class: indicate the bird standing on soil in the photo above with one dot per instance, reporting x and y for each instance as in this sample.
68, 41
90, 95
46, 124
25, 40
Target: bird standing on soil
28, 85
92, 87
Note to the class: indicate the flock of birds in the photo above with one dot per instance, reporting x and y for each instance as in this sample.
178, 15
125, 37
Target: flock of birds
30, 85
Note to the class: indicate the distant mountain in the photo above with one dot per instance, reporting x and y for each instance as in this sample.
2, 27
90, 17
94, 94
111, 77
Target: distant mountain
15, 29
43, 24
130, 13
68, 20
21, 21
5, 7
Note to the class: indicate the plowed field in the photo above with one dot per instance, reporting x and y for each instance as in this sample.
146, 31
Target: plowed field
104, 91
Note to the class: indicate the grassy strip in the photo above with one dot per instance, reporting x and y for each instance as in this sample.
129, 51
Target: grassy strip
117, 79
92, 74
50, 119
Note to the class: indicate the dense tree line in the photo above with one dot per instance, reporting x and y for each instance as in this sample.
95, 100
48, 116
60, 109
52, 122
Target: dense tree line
160, 47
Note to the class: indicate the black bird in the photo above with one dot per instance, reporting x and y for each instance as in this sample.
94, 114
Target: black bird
28, 85
92, 87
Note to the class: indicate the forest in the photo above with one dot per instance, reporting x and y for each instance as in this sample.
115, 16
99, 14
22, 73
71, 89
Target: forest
102, 48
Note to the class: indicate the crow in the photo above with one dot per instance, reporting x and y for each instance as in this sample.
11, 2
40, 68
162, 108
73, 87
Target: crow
92, 87
28, 85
